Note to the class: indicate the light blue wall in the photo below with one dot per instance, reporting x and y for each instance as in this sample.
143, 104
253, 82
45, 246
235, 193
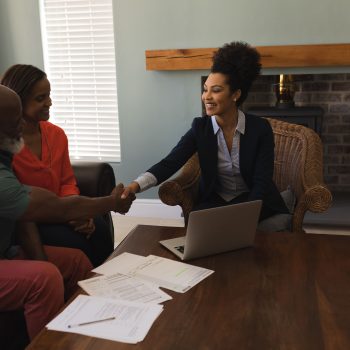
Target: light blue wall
156, 108
20, 37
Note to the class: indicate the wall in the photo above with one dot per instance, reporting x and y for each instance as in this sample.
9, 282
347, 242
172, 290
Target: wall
156, 108
20, 37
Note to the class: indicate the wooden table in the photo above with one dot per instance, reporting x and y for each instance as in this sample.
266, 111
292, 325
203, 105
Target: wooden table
292, 291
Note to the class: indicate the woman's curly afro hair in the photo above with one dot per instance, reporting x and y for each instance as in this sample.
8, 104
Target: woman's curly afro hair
240, 63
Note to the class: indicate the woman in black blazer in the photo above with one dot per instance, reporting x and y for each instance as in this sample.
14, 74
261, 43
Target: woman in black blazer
235, 150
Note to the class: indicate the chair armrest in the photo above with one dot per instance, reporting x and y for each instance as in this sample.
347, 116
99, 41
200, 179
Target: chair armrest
94, 179
316, 198
182, 190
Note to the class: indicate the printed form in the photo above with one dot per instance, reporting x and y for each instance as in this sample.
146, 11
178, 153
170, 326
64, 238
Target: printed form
166, 273
104, 318
124, 287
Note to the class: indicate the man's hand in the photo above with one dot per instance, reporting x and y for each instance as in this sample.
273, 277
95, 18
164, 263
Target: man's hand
123, 201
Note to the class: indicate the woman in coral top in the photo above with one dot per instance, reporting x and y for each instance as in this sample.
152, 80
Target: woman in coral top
44, 162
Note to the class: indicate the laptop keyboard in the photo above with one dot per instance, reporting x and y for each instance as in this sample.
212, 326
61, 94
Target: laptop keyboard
180, 248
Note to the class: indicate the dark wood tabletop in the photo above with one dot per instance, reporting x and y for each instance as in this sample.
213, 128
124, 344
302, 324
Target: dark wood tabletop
291, 291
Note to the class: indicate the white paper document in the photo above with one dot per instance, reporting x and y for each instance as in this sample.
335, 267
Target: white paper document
171, 274
105, 318
166, 273
122, 263
124, 287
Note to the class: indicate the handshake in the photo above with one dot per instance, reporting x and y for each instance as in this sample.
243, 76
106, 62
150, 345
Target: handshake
124, 196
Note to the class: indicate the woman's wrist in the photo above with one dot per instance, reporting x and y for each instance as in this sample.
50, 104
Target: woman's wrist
134, 187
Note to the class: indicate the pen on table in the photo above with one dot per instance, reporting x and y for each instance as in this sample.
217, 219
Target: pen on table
91, 322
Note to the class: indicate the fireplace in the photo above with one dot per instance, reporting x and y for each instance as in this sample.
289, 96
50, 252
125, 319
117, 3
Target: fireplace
311, 117
329, 93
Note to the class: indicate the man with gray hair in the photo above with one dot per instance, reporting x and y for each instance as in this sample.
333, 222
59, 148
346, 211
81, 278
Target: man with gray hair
38, 286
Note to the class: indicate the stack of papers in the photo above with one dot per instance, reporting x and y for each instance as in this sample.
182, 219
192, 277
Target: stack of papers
124, 301
166, 273
118, 320
124, 287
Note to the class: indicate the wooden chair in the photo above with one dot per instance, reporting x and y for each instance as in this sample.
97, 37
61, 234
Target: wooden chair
298, 165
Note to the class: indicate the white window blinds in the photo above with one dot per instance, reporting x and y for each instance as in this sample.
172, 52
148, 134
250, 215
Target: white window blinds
78, 41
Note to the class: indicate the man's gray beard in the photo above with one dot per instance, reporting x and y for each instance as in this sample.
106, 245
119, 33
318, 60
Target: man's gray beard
11, 145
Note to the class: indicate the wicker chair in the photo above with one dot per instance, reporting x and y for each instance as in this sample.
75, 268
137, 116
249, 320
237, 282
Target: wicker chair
298, 164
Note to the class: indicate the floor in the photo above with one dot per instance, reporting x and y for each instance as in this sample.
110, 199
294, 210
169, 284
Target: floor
336, 220
123, 224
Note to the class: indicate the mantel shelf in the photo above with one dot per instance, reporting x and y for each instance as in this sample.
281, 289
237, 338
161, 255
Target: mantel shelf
288, 56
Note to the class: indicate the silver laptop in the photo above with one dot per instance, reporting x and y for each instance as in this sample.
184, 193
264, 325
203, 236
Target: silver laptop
217, 230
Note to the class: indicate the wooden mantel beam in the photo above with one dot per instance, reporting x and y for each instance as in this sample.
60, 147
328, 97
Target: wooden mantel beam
327, 55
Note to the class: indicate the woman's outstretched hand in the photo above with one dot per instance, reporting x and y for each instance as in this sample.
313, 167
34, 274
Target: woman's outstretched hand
132, 188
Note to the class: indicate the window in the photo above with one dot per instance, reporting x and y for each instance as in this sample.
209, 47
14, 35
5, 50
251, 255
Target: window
79, 55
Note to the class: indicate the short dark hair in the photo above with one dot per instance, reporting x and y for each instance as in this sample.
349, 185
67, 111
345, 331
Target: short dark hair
240, 63
21, 78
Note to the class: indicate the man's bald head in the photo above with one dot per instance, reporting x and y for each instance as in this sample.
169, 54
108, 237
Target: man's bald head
10, 104
10, 117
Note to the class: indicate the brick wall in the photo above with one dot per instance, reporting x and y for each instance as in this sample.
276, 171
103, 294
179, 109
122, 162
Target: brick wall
332, 93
